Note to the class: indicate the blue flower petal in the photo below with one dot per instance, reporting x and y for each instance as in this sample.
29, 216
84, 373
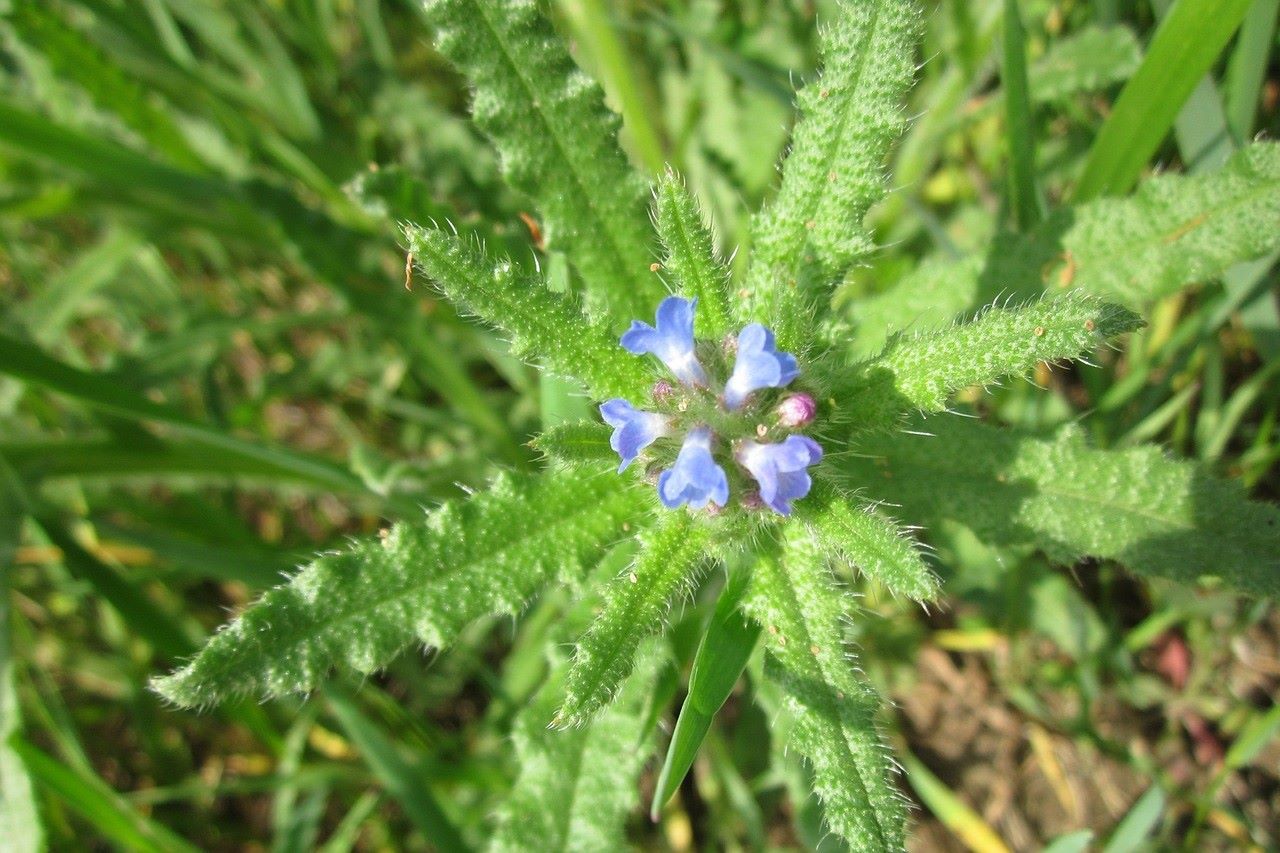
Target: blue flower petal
695, 479
671, 341
633, 430
781, 469
759, 365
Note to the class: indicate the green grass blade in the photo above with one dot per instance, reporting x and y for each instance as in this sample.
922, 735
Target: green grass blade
1184, 47
1131, 834
1255, 736
1071, 842
347, 833
615, 67
139, 612
104, 810
1248, 67
164, 189
50, 309
294, 826
25, 362
407, 782
1025, 197
717, 665
19, 819
74, 57
954, 813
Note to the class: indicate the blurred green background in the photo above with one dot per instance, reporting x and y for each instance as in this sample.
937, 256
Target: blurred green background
212, 364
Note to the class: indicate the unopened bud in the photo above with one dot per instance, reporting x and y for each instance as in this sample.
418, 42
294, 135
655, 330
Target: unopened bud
662, 390
796, 411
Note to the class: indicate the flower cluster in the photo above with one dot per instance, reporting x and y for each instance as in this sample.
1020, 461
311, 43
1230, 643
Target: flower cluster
709, 416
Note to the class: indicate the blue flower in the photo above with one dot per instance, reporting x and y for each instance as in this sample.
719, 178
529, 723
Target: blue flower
695, 479
780, 469
633, 430
759, 365
672, 340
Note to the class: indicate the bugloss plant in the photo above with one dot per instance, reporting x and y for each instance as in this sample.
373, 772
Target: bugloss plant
746, 428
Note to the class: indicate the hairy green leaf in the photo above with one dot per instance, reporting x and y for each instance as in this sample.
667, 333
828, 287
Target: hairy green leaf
1085, 61
922, 371
1156, 515
812, 232
690, 259
587, 441
423, 580
558, 144
1174, 230
795, 599
577, 786
869, 542
635, 605
543, 325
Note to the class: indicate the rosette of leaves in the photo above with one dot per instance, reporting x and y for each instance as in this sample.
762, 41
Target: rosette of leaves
425, 579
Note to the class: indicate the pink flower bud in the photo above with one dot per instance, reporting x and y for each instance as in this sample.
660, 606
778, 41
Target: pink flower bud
662, 391
797, 411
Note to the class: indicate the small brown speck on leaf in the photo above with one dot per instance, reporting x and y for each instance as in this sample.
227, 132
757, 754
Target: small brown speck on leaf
654, 267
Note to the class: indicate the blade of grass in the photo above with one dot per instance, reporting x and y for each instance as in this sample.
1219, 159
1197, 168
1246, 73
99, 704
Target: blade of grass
294, 826
1024, 191
137, 610
95, 801
1248, 67
1253, 738
717, 665
1185, 45
347, 833
615, 70
19, 819
1137, 823
407, 783
964, 822
164, 189
52, 306
25, 362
